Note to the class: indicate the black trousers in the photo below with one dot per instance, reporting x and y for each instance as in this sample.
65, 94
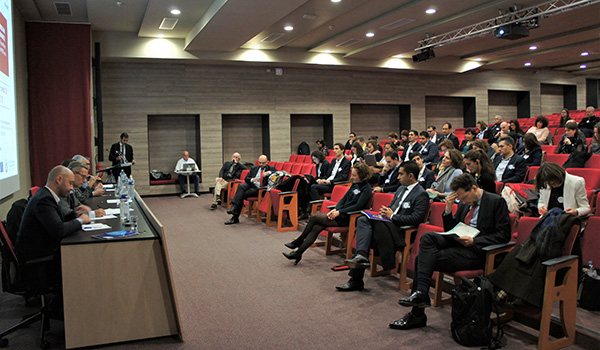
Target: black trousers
243, 191
443, 253
317, 223
316, 190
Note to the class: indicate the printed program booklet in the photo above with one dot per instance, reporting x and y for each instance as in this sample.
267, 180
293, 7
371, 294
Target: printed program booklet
462, 229
375, 216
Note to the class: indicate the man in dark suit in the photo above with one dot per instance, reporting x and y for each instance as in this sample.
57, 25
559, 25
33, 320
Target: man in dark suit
44, 225
408, 208
479, 209
388, 180
257, 177
494, 129
448, 135
339, 171
229, 171
426, 176
429, 150
413, 145
121, 152
434, 136
510, 167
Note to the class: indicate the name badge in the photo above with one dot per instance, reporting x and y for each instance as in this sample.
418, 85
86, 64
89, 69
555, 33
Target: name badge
356, 191
560, 200
511, 167
424, 150
525, 156
421, 179
339, 170
387, 181
406, 205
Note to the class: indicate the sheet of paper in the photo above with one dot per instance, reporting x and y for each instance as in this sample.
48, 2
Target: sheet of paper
108, 186
114, 211
115, 201
95, 226
106, 217
462, 229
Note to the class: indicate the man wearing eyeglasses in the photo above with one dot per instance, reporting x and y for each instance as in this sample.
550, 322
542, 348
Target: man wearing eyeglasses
71, 202
510, 168
257, 177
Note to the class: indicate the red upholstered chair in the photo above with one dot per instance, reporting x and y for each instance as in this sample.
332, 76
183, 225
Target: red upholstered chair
597, 213
308, 159
251, 203
330, 159
331, 153
410, 265
590, 241
559, 159
591, 176
296, 169
531, 172
435, 213
293, 158
279, 166
321, 206
499, 187
550, 149
287, 167
272, 163
33, 190
308, 169
556, 139
233, 185
593, 162
283, 205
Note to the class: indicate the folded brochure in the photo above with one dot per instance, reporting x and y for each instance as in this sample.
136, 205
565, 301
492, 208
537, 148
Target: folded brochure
375, 216
462, 229
115, 234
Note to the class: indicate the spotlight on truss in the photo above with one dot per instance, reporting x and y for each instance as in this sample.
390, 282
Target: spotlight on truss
424, 55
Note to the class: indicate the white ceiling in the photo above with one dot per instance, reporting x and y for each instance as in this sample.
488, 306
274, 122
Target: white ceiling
320, 26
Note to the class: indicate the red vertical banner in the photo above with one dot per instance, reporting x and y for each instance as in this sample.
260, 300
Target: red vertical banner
3, 45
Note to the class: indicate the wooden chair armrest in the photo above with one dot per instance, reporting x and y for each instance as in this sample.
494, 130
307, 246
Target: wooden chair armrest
317, 201
559, 260
498, 247
492, 251
287, 193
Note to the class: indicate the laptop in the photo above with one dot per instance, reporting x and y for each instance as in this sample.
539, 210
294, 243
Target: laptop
188, 167
370, 159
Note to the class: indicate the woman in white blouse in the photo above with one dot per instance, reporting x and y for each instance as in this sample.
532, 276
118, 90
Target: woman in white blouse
540, 130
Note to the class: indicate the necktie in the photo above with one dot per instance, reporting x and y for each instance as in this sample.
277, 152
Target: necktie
123, 151
397, 199
469, 216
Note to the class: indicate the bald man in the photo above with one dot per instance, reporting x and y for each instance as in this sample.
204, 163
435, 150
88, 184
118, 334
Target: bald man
257, 176
181, 165
44, 225
229, 171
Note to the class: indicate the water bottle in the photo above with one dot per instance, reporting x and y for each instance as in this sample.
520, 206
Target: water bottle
591, 270
124, 209
131, 186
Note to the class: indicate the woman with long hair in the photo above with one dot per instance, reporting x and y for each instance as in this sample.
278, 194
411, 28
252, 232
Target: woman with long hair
357, 198
479, 165
595, 145
451, 168
467, 143
532, 150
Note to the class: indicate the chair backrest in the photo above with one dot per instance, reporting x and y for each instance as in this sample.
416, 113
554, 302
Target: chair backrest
338, 192
590, 241
287, 167
549, 148
513, 222
436, 211
591, 176
33, 190
296, 169
598, 204
559, 159
307, 159
231, 194
293, 158
556, 139
6, 242
526, 225
330, 158
327, 203
279, 166
570, 240
499, 186
423, 228
531, 172
308, 169
593, 162
381, 200
272, 163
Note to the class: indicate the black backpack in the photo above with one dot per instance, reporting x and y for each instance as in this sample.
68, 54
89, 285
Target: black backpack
303, 148
472, 303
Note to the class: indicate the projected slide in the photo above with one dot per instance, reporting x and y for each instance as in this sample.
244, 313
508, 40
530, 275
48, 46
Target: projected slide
9, 179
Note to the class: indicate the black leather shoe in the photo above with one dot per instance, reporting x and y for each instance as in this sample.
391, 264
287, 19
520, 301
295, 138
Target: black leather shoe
232, 221
231, 210
358, 262
350, 286
416, 299
213, 206
293, 256
409, 321
291, 245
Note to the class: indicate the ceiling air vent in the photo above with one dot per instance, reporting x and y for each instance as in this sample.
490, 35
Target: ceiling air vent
272, 37
168, 23
348, 43
397, 23
63, 8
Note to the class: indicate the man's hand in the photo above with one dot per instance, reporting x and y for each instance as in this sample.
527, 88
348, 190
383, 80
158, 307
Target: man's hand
133, 161
567, 142
386, 212
86, 219
542, 210
99, 212
377, 189
465, 240
450, 199
571, 211
98, 192
333, 214
82, 209
219, 179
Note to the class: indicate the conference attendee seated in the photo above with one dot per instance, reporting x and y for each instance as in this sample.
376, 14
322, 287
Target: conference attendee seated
351, 139
393, 137
44, 224
451, 167
372, 149
559, 189
429, 149
357, 198
532, 150
482, 210
186, 163
408, 208
257, 176
482, 130
467, 143
494, 129
564, 117
448, 135
443, 147
357, 153
434, 136
388, 180
92, 187
510, 168
541, 131
339, 171
71, 201
413, 145
231, 170
595, 145
573, 140
426, 176
479, 165
322, 147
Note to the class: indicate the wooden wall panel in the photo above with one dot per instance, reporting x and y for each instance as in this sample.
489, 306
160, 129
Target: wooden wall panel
168, 137
441, 110
502, 103
306, 128
551, 98
243, 134
375, 120
134, 90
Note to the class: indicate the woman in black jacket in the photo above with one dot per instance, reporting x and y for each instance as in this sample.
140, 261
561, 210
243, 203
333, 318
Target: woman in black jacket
573, 140
357, 198
479, 165
532, 150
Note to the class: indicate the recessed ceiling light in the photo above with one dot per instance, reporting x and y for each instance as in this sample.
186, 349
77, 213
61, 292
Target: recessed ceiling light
119, 3
398, 56
257, 47
370, 35
527, 64
583, 66
175, 12
161, 35
532, 47
430, 11
478, 59
288, 28
327, 51
336, 0
585, 53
